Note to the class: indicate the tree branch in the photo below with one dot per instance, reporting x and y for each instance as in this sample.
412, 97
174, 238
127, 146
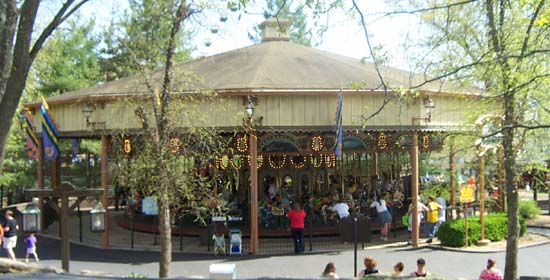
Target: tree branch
56, 21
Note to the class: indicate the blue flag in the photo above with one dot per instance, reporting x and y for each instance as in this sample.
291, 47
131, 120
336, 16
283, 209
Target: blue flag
49, 132
339, 130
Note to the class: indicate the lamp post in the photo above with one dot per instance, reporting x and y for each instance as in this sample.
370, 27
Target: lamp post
31, 218
430, 107
253, 157
97, 218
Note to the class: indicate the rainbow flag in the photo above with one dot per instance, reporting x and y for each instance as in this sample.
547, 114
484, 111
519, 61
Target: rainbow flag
49, 132
339, 130
32, 141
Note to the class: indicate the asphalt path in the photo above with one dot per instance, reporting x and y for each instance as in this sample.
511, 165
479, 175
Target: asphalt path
533, 261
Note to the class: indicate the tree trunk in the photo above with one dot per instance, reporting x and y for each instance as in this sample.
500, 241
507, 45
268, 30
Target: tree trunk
18, 73
511, 269
165, 235
8, 22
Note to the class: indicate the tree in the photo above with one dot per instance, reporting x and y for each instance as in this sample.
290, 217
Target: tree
133, 43
175, 143
17, 25
68, 61
500, 46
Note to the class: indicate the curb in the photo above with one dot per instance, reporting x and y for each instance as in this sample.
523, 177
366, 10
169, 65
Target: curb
466, 250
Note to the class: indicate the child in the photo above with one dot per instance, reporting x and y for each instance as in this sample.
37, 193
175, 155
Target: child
30, 241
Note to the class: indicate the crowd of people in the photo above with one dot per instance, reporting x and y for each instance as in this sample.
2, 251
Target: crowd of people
490, 273
8, 238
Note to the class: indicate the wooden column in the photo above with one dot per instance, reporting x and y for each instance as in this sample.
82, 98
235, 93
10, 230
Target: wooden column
375, 163
88, 173
481, 191
414, 186
254, 242
104, 186
54, 178
452, 174
40, 175
65, 249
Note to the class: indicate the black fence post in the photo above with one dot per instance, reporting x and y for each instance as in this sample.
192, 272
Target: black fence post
132, 228
181, 234
2, 196
354, 246
311, 232
79, 222
155, 230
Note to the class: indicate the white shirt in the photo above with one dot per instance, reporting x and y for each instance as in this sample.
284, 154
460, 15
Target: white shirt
380, 207
342, 209
441, 211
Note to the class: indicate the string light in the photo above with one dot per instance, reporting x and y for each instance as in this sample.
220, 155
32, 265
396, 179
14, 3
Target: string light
259, 161
237, 162
174, 144
242, 144
426, 141
296, 164
330, 160
316, 160
317, 143
224, 162
382, 141
281, 163
218, 162
127, 146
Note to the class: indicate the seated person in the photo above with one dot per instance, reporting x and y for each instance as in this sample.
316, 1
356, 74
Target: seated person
341, 208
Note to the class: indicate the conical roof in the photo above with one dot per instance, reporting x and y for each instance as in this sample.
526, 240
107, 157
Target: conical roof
272, 66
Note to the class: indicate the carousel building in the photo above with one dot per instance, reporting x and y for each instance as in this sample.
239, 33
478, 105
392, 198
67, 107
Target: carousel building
290, 93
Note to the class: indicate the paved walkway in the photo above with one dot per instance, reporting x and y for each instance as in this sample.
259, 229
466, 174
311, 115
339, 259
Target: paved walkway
447, 264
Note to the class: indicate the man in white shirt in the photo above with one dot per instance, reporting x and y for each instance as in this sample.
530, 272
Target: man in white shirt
441, 218
341, 208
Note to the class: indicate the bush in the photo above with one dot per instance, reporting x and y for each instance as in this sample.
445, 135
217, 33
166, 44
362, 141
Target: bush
451, 233
529, 209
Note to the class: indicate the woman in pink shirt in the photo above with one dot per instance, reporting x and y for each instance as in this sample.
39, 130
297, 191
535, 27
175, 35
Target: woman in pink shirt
297, 216
491, 273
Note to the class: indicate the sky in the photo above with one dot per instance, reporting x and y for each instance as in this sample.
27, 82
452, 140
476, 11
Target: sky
344, 36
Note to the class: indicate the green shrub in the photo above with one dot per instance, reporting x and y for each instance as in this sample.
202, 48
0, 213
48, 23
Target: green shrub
451, 233
529, 209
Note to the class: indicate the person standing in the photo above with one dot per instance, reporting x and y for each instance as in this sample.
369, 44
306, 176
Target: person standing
384, 216
297, 217
421, 208
441, 212
10, 234
30, 241
432, 218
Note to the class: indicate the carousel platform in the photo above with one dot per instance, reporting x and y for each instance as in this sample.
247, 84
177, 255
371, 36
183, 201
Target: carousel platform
280, 229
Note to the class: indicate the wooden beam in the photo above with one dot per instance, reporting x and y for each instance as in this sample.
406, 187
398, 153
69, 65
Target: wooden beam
58, 193
53, 203
76, 203
104, 186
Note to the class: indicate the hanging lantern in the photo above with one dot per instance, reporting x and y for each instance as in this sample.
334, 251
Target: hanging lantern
97, 218
426, 142
31, 218
382, 141
174, 145
242, 144
127, 146
316, 143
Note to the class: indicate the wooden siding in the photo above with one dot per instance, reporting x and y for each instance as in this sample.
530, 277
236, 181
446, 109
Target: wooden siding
277, 111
